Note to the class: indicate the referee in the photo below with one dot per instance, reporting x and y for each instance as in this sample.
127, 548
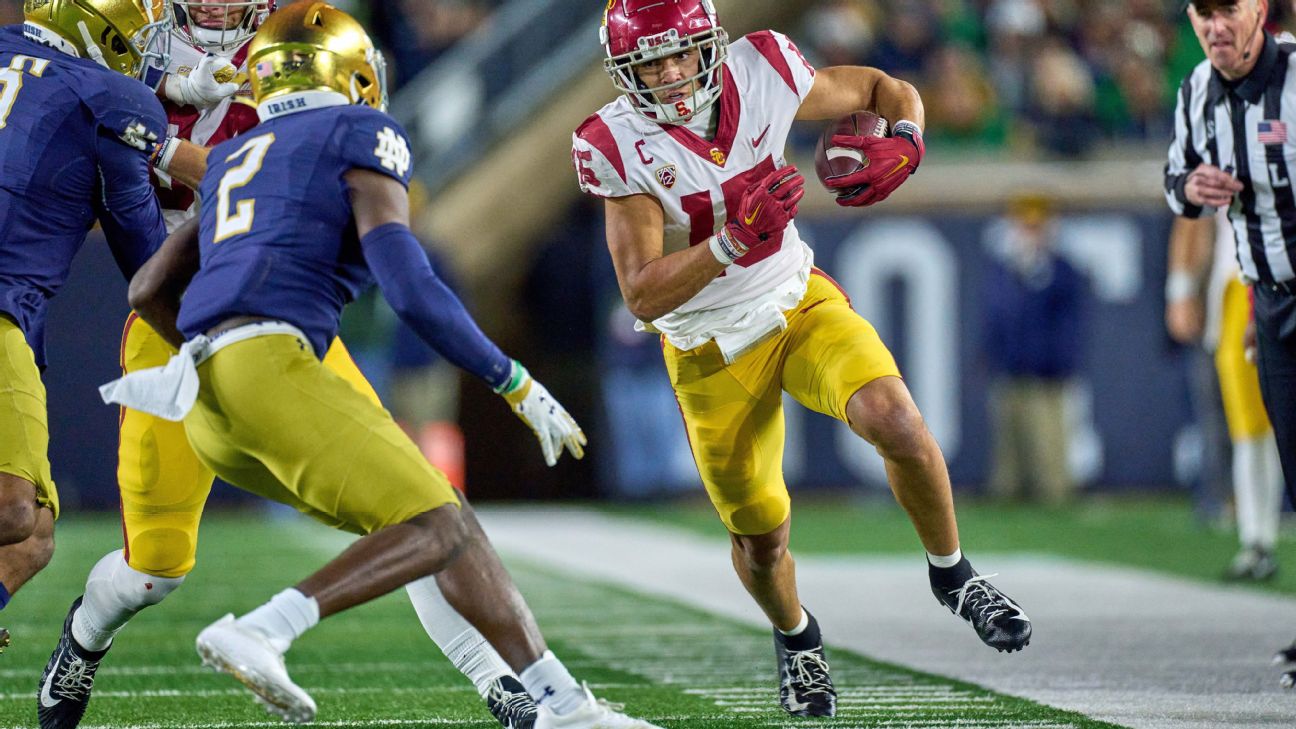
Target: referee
1235, 147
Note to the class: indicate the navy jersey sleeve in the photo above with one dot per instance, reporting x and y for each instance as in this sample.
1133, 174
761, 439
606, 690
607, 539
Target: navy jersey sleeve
129, 118
372, 140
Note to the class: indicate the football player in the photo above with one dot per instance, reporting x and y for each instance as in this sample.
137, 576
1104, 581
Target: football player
74, 124
296, 216
163, 485
1208, 305
699, 212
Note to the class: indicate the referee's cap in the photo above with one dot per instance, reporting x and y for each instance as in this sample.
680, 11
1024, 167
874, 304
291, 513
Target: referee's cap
1207, 6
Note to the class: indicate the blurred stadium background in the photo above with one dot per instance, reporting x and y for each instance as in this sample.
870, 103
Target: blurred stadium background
1066, 101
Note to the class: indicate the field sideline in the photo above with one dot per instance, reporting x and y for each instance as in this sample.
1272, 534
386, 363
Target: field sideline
373, 667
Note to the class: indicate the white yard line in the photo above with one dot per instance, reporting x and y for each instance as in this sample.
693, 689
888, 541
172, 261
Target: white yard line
1129, 646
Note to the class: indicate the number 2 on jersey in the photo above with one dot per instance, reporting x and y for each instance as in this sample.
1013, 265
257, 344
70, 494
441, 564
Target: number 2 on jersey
240, 221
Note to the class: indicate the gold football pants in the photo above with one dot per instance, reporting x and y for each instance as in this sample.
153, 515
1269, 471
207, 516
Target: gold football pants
24, 418
164, 485
733, 414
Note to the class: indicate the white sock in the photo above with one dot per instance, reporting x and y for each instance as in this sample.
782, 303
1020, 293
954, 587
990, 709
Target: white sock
1248, 470
549, 683
284, 618
1272, 488
801, 626
467, 649
946, 561
114, 592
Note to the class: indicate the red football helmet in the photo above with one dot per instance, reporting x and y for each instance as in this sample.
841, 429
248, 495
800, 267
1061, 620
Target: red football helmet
635, 31
220, 26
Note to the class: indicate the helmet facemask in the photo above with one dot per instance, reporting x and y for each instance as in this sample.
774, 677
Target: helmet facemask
230, 36
712, 46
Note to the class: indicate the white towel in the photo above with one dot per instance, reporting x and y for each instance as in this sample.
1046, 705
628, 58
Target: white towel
169, 392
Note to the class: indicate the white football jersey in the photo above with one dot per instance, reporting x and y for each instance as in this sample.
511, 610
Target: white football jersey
205, 127
617, 153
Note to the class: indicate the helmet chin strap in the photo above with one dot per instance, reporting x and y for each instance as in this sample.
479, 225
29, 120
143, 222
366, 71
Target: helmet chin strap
92, 48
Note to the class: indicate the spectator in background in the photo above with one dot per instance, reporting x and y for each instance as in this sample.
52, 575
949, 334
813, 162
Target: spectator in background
842, 31
419, 31
1034, 304
963, 110
909, 35
1062, 96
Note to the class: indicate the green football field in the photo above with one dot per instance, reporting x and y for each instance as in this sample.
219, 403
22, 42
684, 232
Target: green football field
679, 667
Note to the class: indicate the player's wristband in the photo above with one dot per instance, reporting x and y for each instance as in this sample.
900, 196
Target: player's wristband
725, 247
1180, 285
910, 131
517, 377
163, 153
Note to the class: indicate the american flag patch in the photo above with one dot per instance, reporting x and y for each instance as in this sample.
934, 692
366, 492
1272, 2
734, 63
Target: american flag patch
264, 69
1271, 131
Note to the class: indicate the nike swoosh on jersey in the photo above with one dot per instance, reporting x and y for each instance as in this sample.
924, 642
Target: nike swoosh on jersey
757, 140
749, 219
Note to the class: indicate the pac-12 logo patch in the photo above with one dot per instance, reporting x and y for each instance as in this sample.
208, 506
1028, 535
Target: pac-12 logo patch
666, 176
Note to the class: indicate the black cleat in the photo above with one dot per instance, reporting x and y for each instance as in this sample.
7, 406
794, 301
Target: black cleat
510, 704
1286, 655
4, 639
64, 691
997, 620
805, 687
1252, 564
1288, 680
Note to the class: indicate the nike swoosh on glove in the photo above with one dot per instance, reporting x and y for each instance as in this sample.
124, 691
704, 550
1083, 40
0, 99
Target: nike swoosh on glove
764, 210
553, 426
891, 161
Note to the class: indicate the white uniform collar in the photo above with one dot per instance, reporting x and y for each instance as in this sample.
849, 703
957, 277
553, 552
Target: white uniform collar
299, 101
46, 37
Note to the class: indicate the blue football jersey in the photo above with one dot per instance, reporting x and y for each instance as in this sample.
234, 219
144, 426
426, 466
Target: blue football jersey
67, 126
277, 236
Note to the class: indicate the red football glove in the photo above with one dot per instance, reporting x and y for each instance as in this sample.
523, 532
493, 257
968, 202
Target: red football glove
765, 209
891, 161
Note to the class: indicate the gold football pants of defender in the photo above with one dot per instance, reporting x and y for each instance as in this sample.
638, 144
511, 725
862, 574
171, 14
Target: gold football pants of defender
273, 420
733, 414
1239, 379
164, 486
24, 419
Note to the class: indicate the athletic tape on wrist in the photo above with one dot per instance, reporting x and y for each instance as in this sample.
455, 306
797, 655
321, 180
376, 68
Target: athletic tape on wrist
725, 247
1180, 285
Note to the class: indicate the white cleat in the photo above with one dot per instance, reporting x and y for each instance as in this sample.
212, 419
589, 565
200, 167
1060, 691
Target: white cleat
593, 714
247, 656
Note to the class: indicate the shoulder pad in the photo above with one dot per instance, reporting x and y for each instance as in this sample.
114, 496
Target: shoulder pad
373, 140
126, 109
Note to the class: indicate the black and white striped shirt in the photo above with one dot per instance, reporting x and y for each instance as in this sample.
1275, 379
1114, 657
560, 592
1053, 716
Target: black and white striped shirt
1248, 129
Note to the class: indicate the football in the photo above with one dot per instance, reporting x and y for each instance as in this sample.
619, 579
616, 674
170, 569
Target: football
833, 161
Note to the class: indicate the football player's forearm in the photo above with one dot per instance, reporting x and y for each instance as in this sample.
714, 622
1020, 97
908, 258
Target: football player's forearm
897, 100
1192, 243
664, 284
189, 164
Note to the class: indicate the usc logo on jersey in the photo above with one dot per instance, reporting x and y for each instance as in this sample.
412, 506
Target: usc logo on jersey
718, 156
